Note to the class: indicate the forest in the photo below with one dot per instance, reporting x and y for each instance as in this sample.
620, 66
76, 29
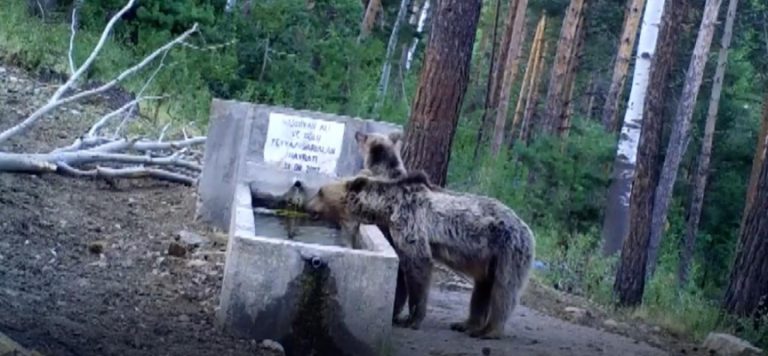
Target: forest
630, 134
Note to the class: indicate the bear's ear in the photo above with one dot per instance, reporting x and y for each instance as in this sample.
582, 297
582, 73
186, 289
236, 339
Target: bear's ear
415, 177
356, 185
360, 137
396, 136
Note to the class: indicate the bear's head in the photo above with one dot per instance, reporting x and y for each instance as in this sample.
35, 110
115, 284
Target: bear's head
381, 153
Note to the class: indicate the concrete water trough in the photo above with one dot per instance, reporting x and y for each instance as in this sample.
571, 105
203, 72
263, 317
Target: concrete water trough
289, 280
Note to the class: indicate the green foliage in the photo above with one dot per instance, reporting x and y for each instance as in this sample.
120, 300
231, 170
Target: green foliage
284, 53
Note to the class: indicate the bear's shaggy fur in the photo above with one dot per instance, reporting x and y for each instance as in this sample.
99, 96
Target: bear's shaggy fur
474, 235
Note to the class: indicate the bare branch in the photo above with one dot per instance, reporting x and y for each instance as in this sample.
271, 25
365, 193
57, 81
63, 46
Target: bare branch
142, 146
208, 48
103, 121
14, 161
162, 132
72, 68
130, 172
94, 53
25, 164
56, 101
82, 143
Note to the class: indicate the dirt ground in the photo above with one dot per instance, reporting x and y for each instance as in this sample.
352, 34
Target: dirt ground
60, 296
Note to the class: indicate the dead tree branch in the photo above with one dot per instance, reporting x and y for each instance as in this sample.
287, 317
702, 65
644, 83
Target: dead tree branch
130, 172
57, 101
94, 154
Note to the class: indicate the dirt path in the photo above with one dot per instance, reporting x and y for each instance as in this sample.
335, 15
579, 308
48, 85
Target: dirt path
84, 268
529, 332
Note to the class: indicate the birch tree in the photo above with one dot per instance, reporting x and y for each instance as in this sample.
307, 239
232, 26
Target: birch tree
422, 20
681, 127
616, 223
621, 63
630, 281
702, 170
510, 72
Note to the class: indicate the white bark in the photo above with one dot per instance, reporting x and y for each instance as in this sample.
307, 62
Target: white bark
616, 224
73, 27
419, 30
230, 5
391, 45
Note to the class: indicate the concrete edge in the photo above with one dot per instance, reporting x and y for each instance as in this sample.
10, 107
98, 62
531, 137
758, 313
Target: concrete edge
290, 110
242, 227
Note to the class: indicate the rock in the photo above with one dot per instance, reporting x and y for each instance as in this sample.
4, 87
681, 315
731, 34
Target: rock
486, 351
96, 247
177, 250
196, 263
611, 323
184, 318
192, 239
729, 345
576, 313
273, 346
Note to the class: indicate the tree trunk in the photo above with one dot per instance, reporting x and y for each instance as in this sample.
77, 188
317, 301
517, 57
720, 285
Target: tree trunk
496, 72
532, 101
747, 292
700, 178
530, 73
564, 123
633, 259
372, 11
387, 67
423, 15
556, 92
757, 162
443, 83
621, 64
681, 127
616, 220
510, 72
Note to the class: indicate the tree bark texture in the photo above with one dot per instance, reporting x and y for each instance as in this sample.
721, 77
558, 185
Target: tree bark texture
495, 74
681, 129
747, 292
372, 11
530, 72
443, 83
386, 68
616, 218
702, 170
510, 73
532, 101
564, 123
633, 258
757, 162
556, 92
621, 65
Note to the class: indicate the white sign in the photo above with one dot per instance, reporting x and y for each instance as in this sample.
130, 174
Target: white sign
301, 144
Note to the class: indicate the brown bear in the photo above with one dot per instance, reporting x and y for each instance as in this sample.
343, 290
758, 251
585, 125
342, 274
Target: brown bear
474, 235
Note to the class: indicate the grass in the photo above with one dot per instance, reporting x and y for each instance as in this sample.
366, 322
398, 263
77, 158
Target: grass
579, 268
